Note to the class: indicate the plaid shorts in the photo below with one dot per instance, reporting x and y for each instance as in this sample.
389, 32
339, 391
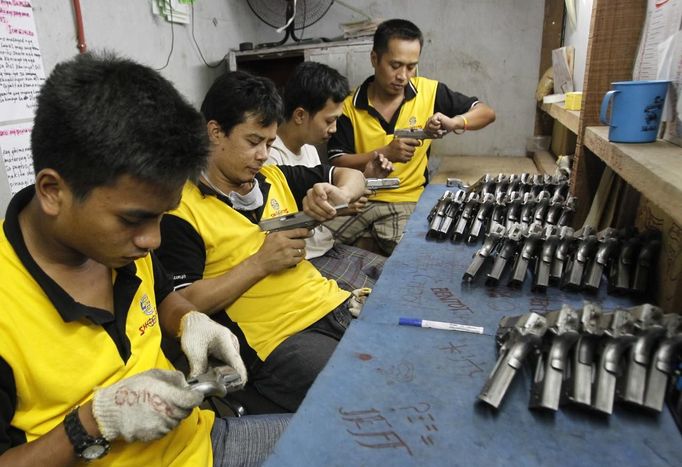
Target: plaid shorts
384, 222
352, 268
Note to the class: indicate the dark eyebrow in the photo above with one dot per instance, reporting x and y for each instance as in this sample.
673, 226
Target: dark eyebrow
141, 214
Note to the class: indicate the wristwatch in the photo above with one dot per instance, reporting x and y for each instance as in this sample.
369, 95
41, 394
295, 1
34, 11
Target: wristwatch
85, 446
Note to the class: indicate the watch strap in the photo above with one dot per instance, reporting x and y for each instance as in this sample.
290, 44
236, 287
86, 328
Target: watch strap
80, 439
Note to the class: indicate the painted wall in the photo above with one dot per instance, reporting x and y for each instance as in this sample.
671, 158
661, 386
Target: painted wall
485, 48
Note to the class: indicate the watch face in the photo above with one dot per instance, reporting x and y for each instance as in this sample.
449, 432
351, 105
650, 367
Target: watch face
94, 451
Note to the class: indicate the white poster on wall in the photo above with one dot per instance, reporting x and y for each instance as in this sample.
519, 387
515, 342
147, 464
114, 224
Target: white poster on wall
662, 21
15, 146
21, 64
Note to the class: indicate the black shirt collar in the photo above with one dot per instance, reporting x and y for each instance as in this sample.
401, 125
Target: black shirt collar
126, 283
361, 101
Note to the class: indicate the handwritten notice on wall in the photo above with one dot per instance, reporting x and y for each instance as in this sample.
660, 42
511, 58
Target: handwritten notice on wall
21, 65
15, 146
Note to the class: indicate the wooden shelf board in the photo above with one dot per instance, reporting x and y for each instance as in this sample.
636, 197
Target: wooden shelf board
654, 169
569, 118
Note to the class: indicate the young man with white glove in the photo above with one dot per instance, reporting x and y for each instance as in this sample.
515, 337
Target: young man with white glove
82, 374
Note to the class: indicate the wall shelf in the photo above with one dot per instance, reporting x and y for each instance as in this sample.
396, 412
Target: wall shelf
568, 118
654, 169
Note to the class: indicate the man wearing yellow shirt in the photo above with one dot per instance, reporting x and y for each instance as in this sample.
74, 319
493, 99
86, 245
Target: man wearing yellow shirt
395, 98
287, 316
84, 303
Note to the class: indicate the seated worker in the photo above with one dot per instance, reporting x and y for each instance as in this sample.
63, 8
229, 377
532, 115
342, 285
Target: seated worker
82, 374
313, 97
394, 98
288, 317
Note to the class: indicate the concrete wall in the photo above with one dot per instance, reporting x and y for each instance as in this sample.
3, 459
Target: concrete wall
487, 48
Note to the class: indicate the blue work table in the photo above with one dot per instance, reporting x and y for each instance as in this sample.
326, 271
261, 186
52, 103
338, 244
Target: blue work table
395, 395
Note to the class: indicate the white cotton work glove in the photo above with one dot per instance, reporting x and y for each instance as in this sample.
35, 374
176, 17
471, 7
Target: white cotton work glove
201, 337
144, 407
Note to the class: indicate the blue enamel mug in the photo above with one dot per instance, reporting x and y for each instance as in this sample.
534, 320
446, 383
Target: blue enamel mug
636, 108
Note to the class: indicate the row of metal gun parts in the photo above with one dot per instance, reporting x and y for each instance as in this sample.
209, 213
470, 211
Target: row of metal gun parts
589, 357
568, 258
468, 215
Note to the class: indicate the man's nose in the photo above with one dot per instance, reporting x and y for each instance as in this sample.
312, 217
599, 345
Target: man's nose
149, 237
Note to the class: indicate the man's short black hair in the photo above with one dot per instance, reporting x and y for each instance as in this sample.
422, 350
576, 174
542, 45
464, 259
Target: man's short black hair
236, 95
100, 117
311, 85
395, 29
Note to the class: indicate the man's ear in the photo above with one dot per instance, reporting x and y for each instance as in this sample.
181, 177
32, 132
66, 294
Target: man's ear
373, 58
51, 191
299, 116
214, 131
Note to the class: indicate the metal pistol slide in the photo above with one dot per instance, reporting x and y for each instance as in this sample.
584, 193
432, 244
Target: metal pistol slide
414, 133
520, 336
622, 270
217, 381
542, 206
528, 208
563, 328
619, 337
663, 362
567, 212
512, 243
513, 208
593, 322
555, 207
382, 183
292, 221
492, 240
649, 330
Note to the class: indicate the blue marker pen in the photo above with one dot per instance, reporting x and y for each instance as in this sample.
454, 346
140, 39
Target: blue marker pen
423, 323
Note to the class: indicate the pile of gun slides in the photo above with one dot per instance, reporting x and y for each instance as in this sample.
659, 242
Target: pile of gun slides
523, 221
588, 357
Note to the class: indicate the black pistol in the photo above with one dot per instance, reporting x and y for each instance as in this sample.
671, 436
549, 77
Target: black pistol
607, 248
492, 240
543, 265
533, 238
512, 243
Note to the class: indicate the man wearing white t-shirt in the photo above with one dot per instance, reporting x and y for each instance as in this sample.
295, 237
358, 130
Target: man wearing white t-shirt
313, 98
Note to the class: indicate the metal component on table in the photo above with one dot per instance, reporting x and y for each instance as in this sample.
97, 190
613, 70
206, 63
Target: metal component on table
513, 209
538, 182
437, 214
585, 249
593, 322
542, 206
514, 184
217, 381
506, 252
563, 327
649, 329
501, 183
519, 336
485, 208
567, 211
543, 264
451, 215
622, 270
415, 133
663, 362
646, 262
527, 208
526, 183
533, 239
382, 183
555, 207
499, 213
619, 337
455, 182
467, 214
564, 249
492, 240
607, 248
487, 185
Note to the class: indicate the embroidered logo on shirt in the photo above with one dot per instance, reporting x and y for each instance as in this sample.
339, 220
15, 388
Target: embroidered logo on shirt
276, 209
413, 121
148, 309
